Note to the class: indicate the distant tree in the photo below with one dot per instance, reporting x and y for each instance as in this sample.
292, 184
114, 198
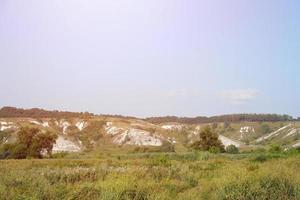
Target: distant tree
232, 149
208, 140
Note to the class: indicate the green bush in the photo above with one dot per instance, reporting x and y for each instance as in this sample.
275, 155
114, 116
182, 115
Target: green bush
60, 155
232, 149
214, 150
19, 151
275, 148
265, 128
6, 150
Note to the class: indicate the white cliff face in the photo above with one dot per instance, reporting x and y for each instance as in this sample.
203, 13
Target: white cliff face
292, 132
65, 145
131, 136
226, 141
138, 138
296, 145
171, 127
80, 125
43, 123
113, 130
246, 131
275, 133
6, 125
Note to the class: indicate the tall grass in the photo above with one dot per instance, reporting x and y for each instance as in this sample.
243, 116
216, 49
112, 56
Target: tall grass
152, 176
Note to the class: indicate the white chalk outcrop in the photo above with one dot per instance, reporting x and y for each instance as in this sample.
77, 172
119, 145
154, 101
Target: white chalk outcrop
132, 136
275, 133
172, 127
226, 141
65, 145
81, 125
43, 123
6, 125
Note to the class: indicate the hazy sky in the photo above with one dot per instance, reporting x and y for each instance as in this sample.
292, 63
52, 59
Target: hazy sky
151, 57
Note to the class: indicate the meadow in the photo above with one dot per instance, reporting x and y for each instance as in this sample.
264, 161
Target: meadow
193, 175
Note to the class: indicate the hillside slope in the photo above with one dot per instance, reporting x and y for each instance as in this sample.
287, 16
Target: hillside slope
79, 134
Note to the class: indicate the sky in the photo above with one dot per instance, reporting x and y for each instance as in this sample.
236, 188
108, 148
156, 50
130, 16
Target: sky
151, 58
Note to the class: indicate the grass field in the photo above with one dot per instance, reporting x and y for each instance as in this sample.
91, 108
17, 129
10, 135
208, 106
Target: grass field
198, 175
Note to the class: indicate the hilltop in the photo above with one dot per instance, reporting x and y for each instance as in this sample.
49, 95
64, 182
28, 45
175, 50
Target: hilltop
89, 132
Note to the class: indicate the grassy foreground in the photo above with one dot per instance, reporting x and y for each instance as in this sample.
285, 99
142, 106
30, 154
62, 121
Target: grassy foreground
153, 176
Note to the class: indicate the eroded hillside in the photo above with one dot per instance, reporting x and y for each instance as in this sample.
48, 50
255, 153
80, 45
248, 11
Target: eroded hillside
98, 132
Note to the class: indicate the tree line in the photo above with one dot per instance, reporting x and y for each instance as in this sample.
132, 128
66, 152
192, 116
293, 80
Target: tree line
12, 112
222, 118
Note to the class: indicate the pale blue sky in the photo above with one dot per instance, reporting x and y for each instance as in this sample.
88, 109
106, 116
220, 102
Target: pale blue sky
150, 58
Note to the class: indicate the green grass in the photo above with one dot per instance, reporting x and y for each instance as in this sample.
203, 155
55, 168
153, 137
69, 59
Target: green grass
198, 175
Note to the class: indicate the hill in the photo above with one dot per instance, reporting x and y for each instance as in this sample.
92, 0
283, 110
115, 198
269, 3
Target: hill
89, 132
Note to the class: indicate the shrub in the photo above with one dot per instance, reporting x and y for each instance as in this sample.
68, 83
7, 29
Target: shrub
232, 149
275, 148
6, 150
19, 151
60, 155
265, 128
214, 150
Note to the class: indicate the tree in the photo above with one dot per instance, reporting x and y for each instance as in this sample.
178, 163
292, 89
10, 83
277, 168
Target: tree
208, 140
33, 142
26, 135
43, 141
